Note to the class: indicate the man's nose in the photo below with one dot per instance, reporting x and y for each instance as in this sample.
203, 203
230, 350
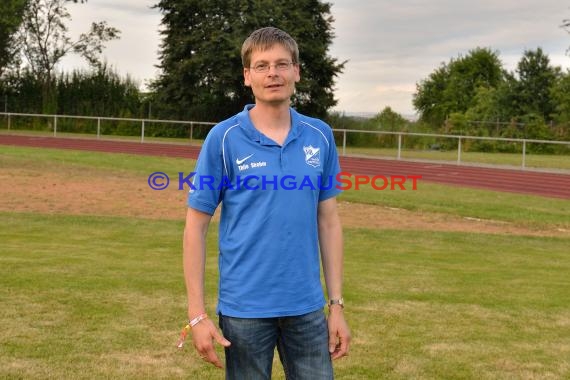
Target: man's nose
272, 70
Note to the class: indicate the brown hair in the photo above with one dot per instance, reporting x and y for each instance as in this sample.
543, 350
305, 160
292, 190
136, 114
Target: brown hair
263, 39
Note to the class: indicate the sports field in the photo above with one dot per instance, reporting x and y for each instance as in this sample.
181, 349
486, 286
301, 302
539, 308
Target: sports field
440, 283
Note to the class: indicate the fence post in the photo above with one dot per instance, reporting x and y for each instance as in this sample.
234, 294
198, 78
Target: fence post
344, 142
9, 121
142, 131
459, 151
98, 127
191, 131
54, 125
524, 154
399, 146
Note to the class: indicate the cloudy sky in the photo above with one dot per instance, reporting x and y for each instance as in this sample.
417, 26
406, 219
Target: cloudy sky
389, 45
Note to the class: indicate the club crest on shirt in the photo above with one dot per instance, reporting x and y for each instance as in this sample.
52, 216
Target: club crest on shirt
312, 156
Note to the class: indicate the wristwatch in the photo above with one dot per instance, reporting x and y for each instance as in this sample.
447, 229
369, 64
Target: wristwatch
339, 302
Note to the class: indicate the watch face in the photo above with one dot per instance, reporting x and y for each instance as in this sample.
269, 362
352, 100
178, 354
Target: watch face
340, 302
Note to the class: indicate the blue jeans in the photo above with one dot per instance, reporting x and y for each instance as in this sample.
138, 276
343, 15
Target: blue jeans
301, 341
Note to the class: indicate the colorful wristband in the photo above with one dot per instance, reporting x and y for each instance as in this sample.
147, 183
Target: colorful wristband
198, 319
191, 323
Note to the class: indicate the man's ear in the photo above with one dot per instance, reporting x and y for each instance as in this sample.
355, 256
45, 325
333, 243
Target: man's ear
246, 77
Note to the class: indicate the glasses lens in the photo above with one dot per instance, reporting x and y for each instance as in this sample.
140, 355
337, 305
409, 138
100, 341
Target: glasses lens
264, 67
261, 68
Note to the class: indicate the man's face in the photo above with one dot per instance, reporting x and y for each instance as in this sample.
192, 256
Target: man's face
272, 75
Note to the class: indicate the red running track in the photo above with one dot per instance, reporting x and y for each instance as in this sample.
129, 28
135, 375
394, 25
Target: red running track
556, 185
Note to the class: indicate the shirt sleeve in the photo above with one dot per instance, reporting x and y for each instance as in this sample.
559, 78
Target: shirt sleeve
206, 191
331, 169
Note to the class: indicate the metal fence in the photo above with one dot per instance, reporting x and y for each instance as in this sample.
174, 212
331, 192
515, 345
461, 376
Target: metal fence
54, 119
458, 140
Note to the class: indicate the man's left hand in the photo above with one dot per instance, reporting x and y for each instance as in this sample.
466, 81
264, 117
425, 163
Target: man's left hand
339, 333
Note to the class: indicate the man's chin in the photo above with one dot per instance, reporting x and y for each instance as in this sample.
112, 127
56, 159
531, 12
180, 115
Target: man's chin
275, 100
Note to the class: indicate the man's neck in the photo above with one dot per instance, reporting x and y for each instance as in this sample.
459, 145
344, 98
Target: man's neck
265, 116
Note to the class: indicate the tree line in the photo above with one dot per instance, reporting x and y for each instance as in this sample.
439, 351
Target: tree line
201, 69
476, 87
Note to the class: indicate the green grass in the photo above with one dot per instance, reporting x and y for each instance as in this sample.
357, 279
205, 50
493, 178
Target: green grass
450, 305
42, 158
88, 297
524, 210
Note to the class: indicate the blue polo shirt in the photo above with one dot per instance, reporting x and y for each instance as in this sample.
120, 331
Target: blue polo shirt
268, 238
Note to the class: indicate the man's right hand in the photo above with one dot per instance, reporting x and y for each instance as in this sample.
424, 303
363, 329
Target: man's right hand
204, 334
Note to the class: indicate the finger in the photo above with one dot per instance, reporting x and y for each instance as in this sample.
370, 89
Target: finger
213, 358
220, 339
344, 344
341, 349
332, 341
335, 355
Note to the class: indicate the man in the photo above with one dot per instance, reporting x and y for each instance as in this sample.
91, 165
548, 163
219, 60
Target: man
266, 166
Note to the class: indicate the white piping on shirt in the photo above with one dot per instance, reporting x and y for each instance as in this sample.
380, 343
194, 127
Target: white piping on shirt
233, 126
324, 137
223, 147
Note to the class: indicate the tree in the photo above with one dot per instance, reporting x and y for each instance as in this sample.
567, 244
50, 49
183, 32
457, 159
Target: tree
11, 12
429, 99
44, 42
485, 105
200, 54
453, 86
101, 92
561, 96
389, 120
536, 78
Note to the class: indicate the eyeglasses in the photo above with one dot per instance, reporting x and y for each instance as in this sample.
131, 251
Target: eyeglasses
264, 67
